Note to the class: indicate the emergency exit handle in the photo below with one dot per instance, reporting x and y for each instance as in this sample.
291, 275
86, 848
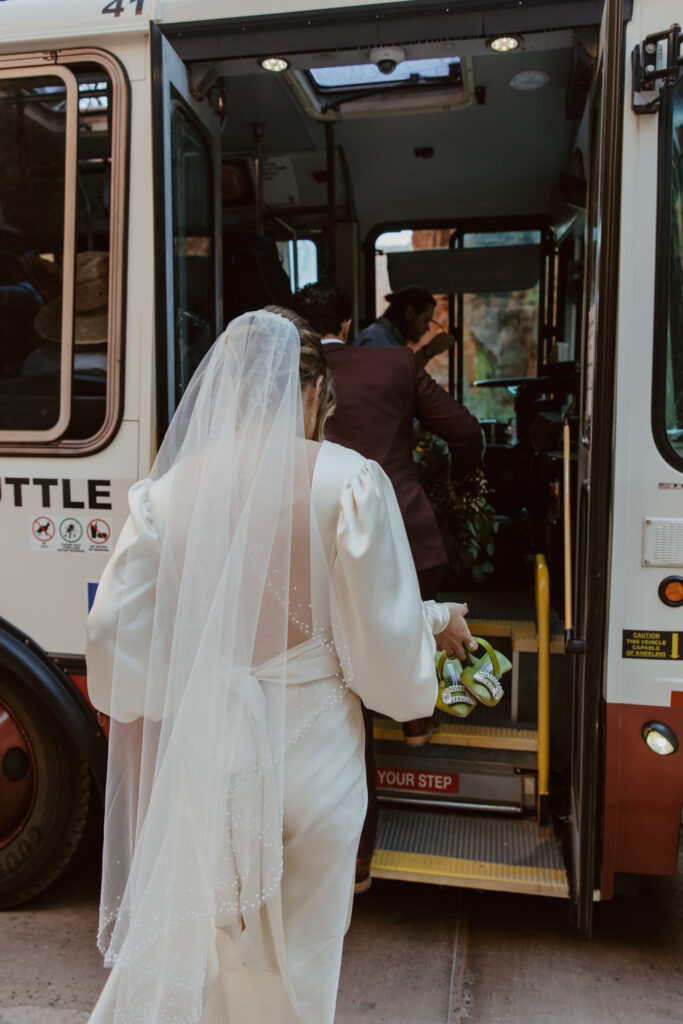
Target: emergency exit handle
572, 644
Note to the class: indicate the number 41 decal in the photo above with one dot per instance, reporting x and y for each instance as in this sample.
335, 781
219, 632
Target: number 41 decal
116, 7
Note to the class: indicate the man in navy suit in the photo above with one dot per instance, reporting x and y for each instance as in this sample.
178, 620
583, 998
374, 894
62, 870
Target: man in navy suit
380, 391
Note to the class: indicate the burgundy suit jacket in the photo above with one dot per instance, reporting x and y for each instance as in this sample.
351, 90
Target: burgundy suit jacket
380, 391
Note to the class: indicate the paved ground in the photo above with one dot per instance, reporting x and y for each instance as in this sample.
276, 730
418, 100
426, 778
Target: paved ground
414, 955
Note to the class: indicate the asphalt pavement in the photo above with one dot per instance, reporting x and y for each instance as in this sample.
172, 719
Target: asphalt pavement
415, 954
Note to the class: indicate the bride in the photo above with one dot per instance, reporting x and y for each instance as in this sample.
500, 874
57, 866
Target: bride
261, 585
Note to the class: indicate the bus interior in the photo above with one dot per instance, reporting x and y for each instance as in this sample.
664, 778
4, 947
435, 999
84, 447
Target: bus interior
466, 171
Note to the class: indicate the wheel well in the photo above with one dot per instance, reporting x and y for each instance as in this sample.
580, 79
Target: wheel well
32, 665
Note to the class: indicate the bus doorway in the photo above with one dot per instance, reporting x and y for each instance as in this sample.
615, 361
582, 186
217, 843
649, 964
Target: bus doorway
465, 169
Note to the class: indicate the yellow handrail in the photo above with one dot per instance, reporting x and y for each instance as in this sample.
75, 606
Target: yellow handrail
572, 644
543, 628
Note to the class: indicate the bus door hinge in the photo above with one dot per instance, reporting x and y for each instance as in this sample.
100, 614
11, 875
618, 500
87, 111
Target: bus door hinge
657, 66
206, 82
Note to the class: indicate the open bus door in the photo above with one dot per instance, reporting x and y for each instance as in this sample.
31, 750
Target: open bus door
592, 504
186, 153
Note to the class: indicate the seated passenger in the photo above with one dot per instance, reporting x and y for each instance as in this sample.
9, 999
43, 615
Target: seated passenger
90, 322
20, 300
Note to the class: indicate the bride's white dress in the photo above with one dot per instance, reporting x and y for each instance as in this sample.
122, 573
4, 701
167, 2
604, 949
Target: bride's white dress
293, 943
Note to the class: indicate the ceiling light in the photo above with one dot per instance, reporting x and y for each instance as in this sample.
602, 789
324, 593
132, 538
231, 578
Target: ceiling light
274, 64
660, 738
503, 44
528, 80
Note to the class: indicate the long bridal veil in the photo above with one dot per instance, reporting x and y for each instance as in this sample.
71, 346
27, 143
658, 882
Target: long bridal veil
211, 580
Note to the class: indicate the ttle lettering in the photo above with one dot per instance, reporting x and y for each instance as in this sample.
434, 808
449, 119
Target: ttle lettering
91, 494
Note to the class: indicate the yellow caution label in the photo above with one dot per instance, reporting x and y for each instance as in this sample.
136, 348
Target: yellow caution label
660, 645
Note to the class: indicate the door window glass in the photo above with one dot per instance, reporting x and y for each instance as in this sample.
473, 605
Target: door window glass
673, 384
193, 253
300, 259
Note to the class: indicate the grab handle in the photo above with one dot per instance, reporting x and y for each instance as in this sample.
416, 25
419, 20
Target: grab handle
543, 686
572, 644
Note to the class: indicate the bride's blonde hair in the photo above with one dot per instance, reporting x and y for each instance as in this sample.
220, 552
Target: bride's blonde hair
312, 365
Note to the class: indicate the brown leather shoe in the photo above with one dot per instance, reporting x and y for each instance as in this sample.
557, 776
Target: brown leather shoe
419, 731
363, 876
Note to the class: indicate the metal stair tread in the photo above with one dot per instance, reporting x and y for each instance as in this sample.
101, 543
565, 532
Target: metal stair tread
453, 734
474, 852
523, 634
525, 640
498, 627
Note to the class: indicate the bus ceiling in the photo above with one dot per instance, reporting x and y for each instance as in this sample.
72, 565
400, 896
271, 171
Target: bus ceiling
502, 129
201, 31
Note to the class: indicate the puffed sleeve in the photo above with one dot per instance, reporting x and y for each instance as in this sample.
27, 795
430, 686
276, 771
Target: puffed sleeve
382, 631
120, 621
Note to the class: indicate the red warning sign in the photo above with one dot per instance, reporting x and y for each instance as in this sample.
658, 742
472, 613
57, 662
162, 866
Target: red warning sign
414, 781
43, 529
99, 531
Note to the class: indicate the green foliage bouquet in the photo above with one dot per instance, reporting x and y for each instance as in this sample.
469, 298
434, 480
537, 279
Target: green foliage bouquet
462, 508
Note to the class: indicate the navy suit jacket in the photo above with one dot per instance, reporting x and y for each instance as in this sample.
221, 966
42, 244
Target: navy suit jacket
380, 391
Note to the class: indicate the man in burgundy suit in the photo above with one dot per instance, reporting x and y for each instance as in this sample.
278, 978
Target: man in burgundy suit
380, 391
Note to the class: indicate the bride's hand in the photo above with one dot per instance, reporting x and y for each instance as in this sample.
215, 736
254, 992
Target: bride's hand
456, 636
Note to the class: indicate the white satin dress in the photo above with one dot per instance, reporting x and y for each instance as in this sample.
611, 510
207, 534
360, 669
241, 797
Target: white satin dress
388, 633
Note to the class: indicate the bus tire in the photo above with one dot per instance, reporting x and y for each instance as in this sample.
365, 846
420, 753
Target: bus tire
45, 794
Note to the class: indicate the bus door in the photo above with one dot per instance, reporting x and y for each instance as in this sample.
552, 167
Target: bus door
186, 104
586, 623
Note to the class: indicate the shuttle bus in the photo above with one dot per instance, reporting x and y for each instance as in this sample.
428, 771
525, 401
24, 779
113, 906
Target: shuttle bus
167, 164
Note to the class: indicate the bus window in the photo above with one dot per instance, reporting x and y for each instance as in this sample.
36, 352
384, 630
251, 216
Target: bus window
411, 240
193, 256
300, 259
500, 334
56, 199
673, 300
33, 122
499, 329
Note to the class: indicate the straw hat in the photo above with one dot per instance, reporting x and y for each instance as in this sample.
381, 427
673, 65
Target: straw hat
91, 298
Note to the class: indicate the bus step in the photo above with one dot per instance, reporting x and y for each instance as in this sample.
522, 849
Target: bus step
447, 848
493, 782
456, 735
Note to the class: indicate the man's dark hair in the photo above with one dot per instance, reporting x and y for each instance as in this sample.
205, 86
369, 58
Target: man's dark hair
324, 306
419, 298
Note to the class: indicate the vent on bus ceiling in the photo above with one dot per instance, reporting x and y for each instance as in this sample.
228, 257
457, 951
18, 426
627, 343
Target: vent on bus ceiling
663, 542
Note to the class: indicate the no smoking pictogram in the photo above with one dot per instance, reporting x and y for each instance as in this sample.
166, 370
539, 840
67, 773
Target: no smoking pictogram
43, 529
99, 531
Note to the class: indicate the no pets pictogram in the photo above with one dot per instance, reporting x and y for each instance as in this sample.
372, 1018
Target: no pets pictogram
43, 529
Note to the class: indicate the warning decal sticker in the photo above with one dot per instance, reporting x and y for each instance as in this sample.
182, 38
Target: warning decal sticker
70, 533
658, 644
417, 781
99, 531
43, 530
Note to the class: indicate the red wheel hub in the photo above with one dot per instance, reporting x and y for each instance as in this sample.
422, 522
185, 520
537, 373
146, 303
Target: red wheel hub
17, 776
